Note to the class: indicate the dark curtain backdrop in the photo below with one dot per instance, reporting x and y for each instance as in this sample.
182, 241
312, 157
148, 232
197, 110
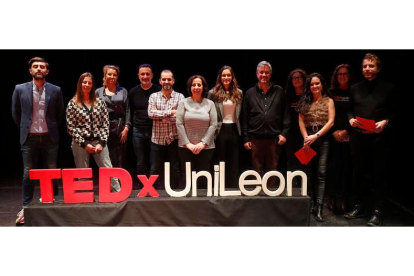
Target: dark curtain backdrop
67, 65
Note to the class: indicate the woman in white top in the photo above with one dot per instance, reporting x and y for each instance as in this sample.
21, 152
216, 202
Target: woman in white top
196, 120
227, 98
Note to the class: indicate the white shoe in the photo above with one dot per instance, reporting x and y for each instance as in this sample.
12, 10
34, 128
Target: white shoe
20, 218
40, 200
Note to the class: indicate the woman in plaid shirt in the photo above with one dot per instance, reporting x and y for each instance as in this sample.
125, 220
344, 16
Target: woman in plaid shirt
87, 122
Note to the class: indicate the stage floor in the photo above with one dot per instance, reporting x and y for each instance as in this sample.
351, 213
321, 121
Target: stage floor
11, 196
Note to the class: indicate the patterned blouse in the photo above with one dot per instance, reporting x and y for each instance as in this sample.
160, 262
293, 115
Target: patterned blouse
317, 114
87, 123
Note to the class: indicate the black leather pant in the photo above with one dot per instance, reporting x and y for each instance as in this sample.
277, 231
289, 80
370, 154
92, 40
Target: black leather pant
317, 167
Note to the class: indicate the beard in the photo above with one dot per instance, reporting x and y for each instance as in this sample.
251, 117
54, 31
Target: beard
166, 87
39, 75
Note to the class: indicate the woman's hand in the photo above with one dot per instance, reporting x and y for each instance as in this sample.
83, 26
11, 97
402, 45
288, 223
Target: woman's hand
309, 140
190, 147
124, 135
90, 149
340, 135
199, 147
98, 148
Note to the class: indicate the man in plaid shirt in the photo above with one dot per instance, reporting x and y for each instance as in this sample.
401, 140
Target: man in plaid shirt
162, 107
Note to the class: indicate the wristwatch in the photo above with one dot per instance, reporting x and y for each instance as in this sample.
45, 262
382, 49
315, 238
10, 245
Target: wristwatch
317, 134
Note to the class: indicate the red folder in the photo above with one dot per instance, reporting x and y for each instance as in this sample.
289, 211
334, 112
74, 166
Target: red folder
366, 124
305, 156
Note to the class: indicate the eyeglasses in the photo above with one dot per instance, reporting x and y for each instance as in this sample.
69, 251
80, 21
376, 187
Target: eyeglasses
297, 78
343, 74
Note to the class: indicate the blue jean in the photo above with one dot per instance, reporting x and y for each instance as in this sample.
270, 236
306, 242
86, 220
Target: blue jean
161, 154
34, 147
142, 144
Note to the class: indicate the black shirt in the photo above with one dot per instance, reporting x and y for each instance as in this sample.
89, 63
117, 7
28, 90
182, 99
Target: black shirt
373, 100
138, 99
294, 115
265, 115
341, 101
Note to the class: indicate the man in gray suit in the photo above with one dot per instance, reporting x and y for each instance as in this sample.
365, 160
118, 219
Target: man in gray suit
37, 109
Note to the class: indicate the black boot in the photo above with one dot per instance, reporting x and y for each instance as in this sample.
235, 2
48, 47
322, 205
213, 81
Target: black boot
312, 207
318, 212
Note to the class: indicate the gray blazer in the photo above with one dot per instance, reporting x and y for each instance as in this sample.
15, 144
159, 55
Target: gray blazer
22, 109
220, 112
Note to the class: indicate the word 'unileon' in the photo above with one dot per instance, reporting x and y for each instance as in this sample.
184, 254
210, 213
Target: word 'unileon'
72, 186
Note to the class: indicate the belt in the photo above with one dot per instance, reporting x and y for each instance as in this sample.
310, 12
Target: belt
314, 128
38, 134
363, 131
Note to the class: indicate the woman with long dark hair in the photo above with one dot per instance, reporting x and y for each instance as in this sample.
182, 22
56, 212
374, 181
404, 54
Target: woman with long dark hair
316, 117
88, 124
227, 98
116, 100
340, 169
295, 87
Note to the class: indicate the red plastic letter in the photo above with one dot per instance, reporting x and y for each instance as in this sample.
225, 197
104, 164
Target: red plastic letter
123, 176
148, 186
70, 185
45, 178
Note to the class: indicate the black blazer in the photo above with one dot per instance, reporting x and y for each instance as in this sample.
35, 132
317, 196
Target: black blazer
22, 109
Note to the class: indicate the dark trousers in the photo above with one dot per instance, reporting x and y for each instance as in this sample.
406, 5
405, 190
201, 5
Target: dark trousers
159, 155
227, 150
265, 157
317, 168
340, 171
142, 145
34, 147
199, 162
117, 151
369, 155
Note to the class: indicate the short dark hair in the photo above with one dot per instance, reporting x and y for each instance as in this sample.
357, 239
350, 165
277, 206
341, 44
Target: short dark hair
370, 56
38, 59
145, 65
203, 81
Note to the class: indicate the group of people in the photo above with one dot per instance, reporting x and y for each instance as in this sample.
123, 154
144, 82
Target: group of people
207, 127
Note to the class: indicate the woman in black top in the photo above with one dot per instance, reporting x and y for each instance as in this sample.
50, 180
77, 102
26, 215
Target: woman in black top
116, 99
340, 170
294, 89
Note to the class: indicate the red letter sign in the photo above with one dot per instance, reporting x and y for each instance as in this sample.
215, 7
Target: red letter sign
70, 185
45, 178
123, 176
148, 188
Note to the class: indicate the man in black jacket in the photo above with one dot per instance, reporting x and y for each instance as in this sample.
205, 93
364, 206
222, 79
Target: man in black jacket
374, 99
265, 121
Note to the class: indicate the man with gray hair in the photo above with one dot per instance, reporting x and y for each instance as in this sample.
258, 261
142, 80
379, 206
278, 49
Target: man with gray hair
265, 121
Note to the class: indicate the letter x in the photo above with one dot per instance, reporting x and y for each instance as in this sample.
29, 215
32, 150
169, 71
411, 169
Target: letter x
148, 186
